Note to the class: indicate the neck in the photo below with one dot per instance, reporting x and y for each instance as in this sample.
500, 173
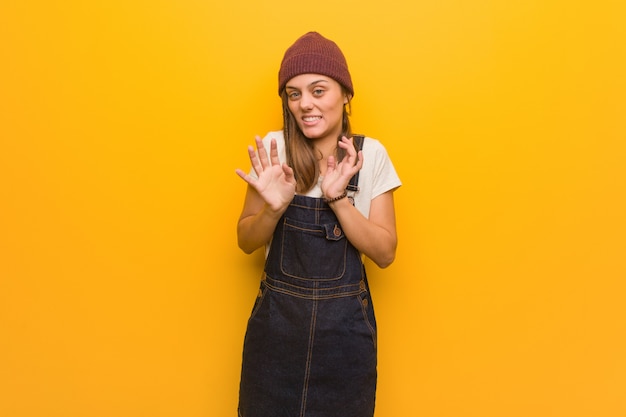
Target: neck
326, 146
325, 149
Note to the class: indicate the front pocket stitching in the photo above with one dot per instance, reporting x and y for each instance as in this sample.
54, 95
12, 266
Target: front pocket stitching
290, 227
366, 318
259, 301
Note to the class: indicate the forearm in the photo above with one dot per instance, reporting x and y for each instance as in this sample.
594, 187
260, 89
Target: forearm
256, 230
376, 240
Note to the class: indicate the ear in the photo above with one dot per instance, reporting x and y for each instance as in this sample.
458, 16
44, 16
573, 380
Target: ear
346, 98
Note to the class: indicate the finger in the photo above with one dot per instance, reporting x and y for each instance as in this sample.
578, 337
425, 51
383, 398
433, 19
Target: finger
247, 178
344, 142
348, 146
262, 152
289, 174
254, 160
274, 153
351, 149
355, 163
331, 164
359, 162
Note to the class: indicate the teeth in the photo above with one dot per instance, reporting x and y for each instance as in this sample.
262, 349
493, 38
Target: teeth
311, 118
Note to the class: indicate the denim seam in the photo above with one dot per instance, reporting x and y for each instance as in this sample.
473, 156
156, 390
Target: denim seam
366, 318
360, 284
282, 257
259, 301
315, 297
307, 374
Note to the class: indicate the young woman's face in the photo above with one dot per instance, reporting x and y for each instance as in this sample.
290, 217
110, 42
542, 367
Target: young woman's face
316, 102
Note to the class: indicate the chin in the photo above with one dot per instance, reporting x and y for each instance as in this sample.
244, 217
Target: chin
310, 134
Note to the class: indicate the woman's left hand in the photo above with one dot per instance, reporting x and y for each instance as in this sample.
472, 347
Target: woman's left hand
338, 174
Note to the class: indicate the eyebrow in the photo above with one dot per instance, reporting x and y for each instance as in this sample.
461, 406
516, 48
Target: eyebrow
310, 84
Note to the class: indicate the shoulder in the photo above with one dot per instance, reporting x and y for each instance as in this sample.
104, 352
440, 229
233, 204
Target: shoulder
274, 134
374, 148
280, 143
378, 167
377, 175
372, 144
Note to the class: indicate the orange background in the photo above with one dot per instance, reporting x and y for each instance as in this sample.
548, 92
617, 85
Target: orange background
123, 293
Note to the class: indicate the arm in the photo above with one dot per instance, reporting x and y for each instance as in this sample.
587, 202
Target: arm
267, 197
256, 223
375, 237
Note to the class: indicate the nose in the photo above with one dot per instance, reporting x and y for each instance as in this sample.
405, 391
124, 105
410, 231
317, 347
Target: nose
306, 101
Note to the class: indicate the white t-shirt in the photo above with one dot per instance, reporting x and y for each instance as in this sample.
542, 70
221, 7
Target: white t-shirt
376, 177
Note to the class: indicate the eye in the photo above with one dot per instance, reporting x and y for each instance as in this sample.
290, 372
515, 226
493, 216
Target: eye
318, 92
293, 95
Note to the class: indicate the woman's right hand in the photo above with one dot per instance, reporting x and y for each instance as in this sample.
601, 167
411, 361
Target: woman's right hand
275, 182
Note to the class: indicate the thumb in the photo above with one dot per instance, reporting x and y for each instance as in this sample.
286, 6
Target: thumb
288, 171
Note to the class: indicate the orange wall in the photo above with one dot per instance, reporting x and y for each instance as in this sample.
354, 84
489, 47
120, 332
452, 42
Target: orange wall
123, 293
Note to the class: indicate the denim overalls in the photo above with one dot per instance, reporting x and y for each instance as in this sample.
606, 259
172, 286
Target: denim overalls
310, 345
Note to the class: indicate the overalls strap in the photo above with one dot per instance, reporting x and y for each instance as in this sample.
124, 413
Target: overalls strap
353, 185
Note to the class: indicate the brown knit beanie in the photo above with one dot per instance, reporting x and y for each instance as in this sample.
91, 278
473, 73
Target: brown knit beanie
314, 54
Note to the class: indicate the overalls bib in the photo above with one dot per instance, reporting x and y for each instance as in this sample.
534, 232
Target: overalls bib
310, 344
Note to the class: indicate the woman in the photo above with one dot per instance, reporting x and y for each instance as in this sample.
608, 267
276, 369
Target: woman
321, 199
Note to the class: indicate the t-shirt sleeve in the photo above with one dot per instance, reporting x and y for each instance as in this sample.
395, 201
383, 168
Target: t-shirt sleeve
385, 177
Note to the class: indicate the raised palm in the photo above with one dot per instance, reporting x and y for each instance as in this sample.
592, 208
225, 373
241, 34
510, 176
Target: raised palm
338, 174
275, 182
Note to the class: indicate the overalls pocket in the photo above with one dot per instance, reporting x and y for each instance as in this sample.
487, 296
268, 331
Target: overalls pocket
313, 251
259, 300
368, 314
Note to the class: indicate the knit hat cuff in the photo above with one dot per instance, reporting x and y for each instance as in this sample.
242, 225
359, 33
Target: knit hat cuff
314, 54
